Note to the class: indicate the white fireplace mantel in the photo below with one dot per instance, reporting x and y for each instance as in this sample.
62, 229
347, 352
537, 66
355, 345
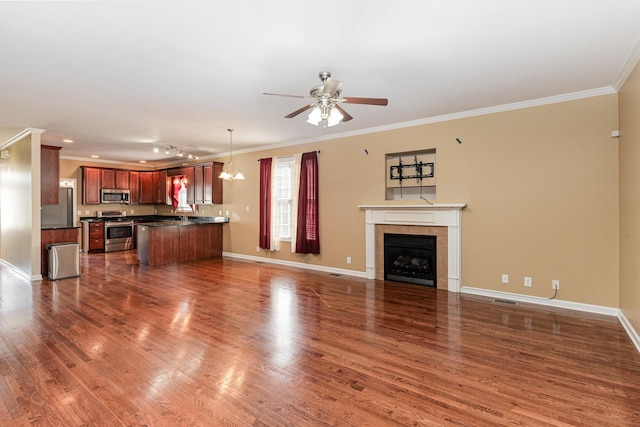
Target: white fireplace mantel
436, 215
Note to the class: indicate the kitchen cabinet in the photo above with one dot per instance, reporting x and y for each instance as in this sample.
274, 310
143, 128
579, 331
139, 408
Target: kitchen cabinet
146, 188
207, 185
134, 187
49, 175
216, 183
92, 236
115, 178
160, 188
91, 185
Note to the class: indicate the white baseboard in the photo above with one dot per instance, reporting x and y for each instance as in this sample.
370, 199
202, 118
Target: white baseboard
633, 334
296, 264
21, 273
610, 311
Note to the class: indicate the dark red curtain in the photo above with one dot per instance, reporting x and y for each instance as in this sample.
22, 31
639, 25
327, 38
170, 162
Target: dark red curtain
265, 203
308, 237
176, 184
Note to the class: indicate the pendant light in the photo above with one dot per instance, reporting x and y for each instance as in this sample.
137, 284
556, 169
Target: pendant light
228, 173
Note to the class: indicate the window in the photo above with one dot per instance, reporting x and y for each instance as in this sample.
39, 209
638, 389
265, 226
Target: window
289, 203
283, 198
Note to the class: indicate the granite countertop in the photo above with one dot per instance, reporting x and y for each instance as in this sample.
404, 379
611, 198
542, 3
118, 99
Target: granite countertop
190, 221
57, 227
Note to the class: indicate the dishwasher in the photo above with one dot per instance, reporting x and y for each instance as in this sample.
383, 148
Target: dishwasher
64, 260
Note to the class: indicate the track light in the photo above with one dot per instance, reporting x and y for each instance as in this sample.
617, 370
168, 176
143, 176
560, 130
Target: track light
179, 152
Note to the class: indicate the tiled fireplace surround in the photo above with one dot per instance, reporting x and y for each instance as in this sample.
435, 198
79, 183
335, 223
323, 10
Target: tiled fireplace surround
441, 220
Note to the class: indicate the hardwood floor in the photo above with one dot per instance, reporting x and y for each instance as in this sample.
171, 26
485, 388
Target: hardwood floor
232, 343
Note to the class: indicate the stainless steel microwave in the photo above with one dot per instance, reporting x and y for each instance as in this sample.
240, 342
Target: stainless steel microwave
114, 195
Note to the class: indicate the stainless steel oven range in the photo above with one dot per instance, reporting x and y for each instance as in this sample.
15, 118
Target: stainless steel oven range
118, 231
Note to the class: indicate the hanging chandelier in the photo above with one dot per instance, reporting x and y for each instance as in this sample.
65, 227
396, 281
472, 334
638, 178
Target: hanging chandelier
228, 172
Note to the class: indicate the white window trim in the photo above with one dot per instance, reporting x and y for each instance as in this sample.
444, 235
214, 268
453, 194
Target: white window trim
275, 237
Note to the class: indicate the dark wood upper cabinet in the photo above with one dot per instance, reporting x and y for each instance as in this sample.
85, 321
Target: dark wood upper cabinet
115, 178
134, 187
160, 188
216, 183
146, 188
91, 185
152, 187
49, 175
208, 187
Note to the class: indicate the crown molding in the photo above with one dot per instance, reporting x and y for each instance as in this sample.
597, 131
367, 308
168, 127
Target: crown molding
627, 68
609, 90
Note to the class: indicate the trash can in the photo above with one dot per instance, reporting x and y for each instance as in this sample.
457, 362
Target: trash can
64, 260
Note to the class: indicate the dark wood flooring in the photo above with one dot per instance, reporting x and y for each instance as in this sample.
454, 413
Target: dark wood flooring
232, 343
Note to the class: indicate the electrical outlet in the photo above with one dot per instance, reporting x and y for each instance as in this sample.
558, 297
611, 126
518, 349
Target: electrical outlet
555, 284
247, 208
348, 260
528, 282
505, 278
257, 248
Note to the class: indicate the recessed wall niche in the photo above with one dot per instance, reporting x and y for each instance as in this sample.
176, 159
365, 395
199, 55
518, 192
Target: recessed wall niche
411, 175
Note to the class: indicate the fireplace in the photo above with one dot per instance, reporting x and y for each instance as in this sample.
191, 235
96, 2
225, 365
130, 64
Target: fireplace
441, 220
410, 258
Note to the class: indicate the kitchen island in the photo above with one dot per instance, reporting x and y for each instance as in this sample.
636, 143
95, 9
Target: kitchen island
168, 242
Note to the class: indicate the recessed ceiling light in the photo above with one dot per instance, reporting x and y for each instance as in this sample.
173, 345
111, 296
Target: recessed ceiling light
95, 156
143, 161
67, 140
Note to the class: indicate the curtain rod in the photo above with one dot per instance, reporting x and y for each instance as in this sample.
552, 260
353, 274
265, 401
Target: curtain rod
317, 151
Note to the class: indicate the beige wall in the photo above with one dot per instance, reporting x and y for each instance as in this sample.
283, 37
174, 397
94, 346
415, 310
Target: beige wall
541, 186
630, 199
19, 176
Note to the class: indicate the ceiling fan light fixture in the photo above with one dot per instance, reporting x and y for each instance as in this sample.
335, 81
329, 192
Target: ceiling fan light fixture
324, 115
314, 117
334, 118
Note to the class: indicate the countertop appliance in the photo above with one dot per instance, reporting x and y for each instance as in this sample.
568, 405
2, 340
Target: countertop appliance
60, 215
118, 231
114, 195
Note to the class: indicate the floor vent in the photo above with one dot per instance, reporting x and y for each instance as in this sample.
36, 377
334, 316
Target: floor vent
259, 262
505, 301
334, 274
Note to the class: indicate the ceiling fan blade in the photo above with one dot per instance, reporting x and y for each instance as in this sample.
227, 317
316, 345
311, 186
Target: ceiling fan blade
368, 101
346, 116
288, 96
298, 111
331, 86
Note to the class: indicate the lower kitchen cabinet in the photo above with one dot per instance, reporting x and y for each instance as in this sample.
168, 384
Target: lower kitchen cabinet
92, 236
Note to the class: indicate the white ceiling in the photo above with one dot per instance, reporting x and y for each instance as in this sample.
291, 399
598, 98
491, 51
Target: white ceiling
120, 77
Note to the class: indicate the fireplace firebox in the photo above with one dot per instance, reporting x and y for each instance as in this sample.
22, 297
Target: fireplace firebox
410, 258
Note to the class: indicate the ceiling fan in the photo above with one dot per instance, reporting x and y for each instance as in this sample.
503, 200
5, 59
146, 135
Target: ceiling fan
326, 101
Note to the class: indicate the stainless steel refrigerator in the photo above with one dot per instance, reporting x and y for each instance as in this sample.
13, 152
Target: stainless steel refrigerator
60, 215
